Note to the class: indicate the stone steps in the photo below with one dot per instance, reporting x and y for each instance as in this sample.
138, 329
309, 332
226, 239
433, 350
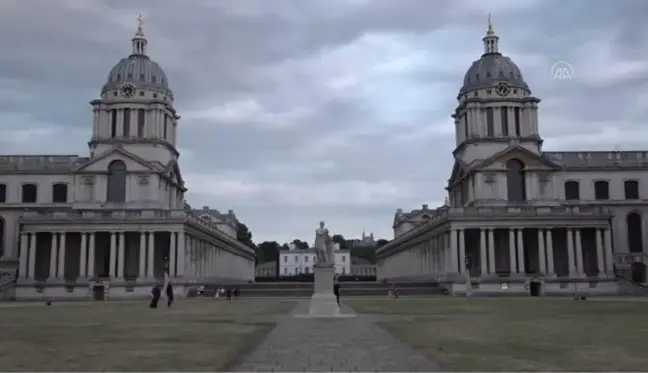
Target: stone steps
346, 289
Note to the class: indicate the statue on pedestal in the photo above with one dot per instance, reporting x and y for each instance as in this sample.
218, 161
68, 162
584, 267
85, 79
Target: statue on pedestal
323, 247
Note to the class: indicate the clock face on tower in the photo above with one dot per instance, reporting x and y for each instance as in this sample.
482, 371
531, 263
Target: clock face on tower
127, 90
502, 89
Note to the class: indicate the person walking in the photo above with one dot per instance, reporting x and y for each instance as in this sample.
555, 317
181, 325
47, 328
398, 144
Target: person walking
169, 293
228, 294
336, 291
156, 292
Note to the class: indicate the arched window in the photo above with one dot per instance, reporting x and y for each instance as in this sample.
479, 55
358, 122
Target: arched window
515, 180
635, 240
116, 182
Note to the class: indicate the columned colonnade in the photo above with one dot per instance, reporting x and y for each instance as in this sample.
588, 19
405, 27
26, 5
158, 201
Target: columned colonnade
505, 251
126, 257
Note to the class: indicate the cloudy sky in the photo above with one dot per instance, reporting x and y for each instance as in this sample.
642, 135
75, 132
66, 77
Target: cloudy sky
296, 111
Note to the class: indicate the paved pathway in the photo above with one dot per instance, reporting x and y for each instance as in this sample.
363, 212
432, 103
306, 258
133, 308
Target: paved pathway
332, 345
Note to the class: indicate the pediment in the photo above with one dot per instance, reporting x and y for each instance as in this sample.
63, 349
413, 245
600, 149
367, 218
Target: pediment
101, 162
528, 158
172, 171
458, 171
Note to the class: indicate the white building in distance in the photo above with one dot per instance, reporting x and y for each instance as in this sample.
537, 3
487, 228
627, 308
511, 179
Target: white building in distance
523, 219
295, 261
114, 221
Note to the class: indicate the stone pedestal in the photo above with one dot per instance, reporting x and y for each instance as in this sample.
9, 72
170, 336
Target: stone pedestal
323, 302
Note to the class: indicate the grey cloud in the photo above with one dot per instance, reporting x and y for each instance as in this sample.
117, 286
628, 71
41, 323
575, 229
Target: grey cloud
219, 52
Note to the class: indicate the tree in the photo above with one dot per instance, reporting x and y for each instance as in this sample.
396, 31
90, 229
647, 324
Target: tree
244, 236
302, 245
365, 252
339, 239
268, 251
381, 242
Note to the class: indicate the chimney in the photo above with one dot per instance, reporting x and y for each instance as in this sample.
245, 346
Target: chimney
425, 206
205, 208
399, 211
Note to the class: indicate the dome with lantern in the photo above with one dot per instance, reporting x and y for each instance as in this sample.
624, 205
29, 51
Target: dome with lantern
492, 68
138, 70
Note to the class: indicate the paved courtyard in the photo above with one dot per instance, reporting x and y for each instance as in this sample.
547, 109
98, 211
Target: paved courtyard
332, 345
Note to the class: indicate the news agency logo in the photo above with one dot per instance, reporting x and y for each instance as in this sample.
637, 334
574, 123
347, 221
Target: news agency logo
562, 70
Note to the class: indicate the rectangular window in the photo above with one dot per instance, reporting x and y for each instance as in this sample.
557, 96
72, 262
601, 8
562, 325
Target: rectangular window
29, 193
490, 121
165, 127
59, 193
572, 190
296, 259
631, 189
141, 121
601, 190
127, 120
285, 258
516, 113
3, 193
113, 125
285, 271
505, 122
306, 259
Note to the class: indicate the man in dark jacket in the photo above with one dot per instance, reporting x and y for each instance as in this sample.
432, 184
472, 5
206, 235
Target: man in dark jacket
336, 291
169, 293
156, 292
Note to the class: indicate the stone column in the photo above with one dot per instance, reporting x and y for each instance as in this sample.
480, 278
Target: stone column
462, 251
483, 258
24, 255
570, 252
172, 253
83, 257
512, 262
54, 251
61, 259
151, 255
541, 252
550, 253
579, 254
142, 256
121, 256
32, 255
454, 251
599, 253
520, 251
180, 272
91, 256
491, 251
609, 256
113, 255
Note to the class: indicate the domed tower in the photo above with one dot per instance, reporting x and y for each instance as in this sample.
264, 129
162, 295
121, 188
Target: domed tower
495, 109
136, 110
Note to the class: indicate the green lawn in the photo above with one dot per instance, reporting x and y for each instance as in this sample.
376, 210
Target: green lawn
520, 334
194, 335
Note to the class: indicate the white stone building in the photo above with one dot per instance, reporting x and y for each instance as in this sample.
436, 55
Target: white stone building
116, 218
295, 261
526, 219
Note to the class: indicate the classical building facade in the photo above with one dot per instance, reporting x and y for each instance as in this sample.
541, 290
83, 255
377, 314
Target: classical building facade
116, 220
517, 218
295, 261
